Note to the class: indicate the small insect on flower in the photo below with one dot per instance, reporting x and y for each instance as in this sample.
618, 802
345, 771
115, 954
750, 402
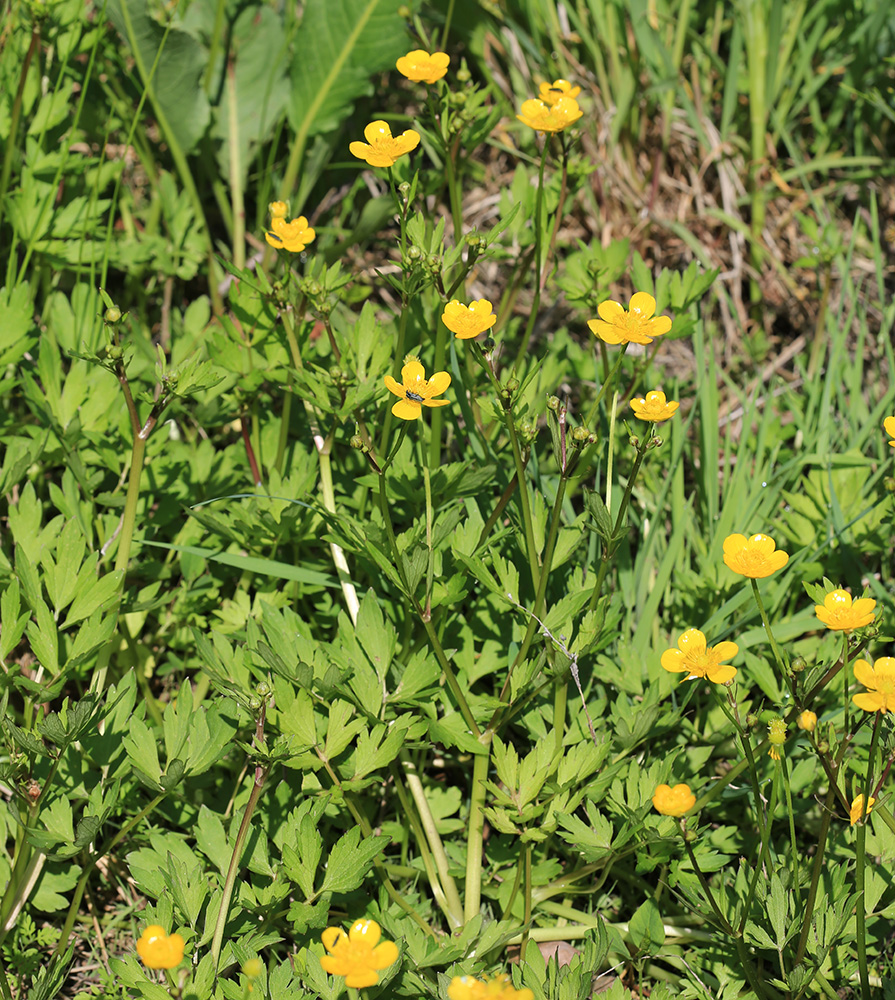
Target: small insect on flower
421, 67
842, 614
754, 557
857, 808
466, 322
550, 93
382, 148
414, 391
880, 682
673, 801
654, 407
696, 659
359, 955
158, 950
636, 325
497, 988
554, 117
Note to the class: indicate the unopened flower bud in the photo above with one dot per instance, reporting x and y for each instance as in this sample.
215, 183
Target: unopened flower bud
690, 836
808, 721
255, 703
357, 442
336, 373
580, 434
252, 968
488, 344
112, 314
798, 664
410, 357
553, 403
751, 720
889, 484
278, 209
404, 188
414, 252
404, 12
262, 689
512, 384
463, 75
823, 746
314, 288
457, 99
473, 239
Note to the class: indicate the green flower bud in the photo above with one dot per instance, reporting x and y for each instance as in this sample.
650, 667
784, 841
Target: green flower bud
512, 384
798, 664
404, 188
336, 373
580, 434
414, 252
262, 689
463, 75
112, 314
473, 239
553, 403
488, 344
357, 442
751, 720
255, 703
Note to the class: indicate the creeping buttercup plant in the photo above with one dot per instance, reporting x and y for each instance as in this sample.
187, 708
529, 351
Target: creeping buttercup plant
401, 593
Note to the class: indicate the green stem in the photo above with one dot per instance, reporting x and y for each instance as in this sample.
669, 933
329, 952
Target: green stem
441, 333
447, 23
541, 596
793, 845
845, 697
232, 871
214, 43
91, 863
524, 501
860, 865
781, 665
475, 836
557, 219
607, 382
329, 502
237, 200
560, 701
527, 890
437, 648
283, 440
12, 146
536, 301
610, 545
452, 896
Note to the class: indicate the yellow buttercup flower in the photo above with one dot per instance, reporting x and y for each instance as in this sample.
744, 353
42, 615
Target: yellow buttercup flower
857, 807
497, 988
384, 148
754, 557
776, 737
421, 67
293, 236
653, 407
359, 955
696, 659
468, 321
158, 950
889, 426
637, 325
840, 613
550, 93
553, 117
673, 801
808, 721
416, 391
880, 681
278, 209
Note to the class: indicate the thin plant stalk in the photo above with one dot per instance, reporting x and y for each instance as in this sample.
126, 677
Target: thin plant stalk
452, 896
536, 301
474, 840
860, 865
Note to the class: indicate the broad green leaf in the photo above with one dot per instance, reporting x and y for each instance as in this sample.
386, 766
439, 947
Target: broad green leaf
350, 860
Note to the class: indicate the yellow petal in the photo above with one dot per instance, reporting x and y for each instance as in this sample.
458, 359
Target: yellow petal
413, 371
438, 384
864, 673
331, 936
870, 701
377, 131
365, 930
385, 954
643, 304
407, 409
394, 386
692, 642
673, 661
611, 312
721, 674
